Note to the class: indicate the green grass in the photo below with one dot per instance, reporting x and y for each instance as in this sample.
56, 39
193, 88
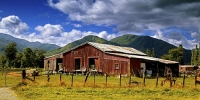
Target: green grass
43, 90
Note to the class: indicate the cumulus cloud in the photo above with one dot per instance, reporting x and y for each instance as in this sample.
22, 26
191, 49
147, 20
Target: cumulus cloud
77, 25
50, 30
13, 25
53, 34
175, 39
131, 15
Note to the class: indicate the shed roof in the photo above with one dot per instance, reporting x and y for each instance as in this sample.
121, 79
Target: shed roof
146, 58
116, 49
111, 48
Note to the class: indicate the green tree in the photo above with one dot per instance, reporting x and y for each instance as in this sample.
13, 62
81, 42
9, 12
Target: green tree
195, 59
11, 51
148, 52
152, 53
2, 61
18, 60
175, 54
27, 59
39, 58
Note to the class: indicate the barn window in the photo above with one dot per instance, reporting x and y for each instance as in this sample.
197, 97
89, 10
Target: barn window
116, 66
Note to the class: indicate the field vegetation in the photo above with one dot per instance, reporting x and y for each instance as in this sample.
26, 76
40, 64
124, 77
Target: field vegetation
96, 88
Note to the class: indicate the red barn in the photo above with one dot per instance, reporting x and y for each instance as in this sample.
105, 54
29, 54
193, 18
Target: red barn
114, 60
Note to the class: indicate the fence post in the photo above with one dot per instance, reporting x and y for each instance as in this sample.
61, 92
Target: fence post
106, 79
94, 79
170, 81
129, 80
60, 76
144, 78
120, 79
34, 75
183, 80
157, 79
72, 80
195, 80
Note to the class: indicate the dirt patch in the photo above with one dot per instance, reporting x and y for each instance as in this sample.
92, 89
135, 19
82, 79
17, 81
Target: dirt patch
7, 94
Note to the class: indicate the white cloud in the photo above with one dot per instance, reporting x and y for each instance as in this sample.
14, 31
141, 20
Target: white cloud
77, 25
50, 30
130, 15
53, 34
13, 25
175, 39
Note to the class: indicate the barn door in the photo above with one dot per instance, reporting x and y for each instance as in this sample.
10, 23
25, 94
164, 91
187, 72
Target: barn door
96, 63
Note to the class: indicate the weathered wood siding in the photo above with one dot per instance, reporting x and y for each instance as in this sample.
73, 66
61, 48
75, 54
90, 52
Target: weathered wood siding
104, 63
135, 66
52, 62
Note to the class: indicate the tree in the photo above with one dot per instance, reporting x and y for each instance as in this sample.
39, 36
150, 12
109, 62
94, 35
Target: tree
18, 60
2, 61
152, 53
11, 53
39, 57
27, 58
148, 52
195, 59
175, 54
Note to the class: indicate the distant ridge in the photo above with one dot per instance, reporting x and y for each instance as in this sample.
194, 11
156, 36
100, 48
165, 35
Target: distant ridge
5, 39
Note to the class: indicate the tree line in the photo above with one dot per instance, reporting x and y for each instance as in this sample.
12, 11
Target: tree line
195, 59
28, 58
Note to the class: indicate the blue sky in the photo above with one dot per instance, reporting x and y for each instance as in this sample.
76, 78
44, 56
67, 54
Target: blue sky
63, 21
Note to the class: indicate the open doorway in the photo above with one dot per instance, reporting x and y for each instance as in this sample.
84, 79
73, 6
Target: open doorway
92, 63
77, 64
58, 64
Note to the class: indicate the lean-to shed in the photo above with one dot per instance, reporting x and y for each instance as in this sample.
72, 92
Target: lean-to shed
114, 60
53, 63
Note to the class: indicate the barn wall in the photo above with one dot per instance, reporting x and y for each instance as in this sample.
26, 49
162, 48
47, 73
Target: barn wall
135, 66
52, 62
84, 53
110, 62
104, 63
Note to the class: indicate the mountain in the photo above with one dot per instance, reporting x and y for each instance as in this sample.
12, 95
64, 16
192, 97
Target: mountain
141, 43
89, 38
22, 44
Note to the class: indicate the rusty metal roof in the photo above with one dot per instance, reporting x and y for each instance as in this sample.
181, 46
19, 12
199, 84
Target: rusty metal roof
116, 49
146, 58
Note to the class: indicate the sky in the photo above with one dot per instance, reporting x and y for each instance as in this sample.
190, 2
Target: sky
63, 21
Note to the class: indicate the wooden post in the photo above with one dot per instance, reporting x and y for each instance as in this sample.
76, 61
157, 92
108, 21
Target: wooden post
129, 80
120, 79
195, 80
144, 78
157, 79
183, 80
34, 75
5, 77
72, 80
23, 74
60, 76
170, 81
94, 79
106, 79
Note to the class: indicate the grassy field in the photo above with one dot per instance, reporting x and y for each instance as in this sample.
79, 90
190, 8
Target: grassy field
99, 90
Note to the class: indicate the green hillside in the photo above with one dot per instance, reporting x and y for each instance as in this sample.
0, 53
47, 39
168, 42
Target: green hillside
22, 44
138, 42
143, 43
89, 38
